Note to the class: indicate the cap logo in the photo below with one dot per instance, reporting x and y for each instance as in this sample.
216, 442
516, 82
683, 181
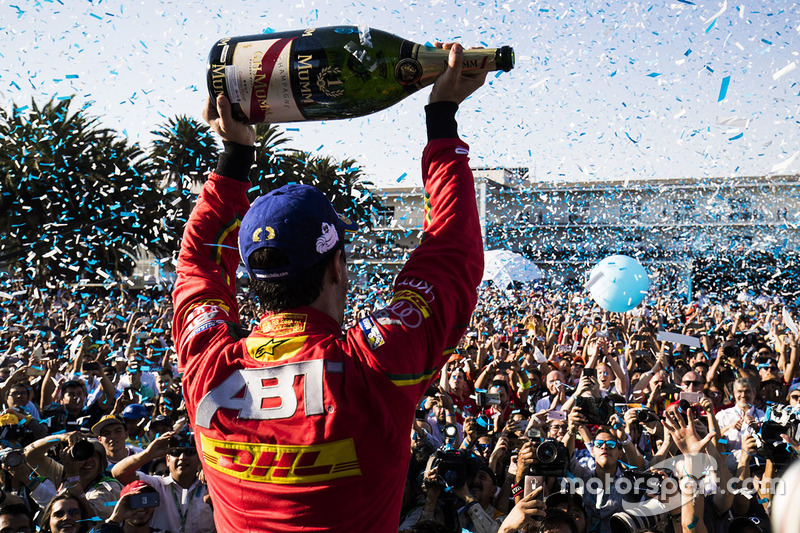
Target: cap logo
328, 239
257, 234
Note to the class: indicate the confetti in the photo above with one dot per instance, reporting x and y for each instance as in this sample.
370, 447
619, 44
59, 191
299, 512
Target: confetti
723, 90
785, 70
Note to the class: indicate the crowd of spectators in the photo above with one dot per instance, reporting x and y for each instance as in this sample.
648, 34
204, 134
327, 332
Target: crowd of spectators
552, 415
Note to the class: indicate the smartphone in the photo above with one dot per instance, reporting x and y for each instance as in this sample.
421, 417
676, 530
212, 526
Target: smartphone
504, 365
90, 366
532, 483
557, 415
421, 414
691, 397
590, 372
144, 500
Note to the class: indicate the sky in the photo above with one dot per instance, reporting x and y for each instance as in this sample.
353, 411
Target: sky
601, 90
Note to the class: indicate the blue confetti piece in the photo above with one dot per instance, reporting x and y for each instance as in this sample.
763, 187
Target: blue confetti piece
71, 76
654, 75
98, 17
630, 139
723, 90
14, 84
766, 42
268, 30
612, 74
253, 189
687, 52
711, 25
733, 139
292, 129
401, 178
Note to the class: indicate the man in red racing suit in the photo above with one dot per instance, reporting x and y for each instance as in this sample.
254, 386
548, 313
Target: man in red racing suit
299, 427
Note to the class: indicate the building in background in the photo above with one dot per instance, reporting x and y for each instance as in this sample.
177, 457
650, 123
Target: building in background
708, 232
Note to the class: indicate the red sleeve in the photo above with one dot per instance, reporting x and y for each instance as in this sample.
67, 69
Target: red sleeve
435, 293
205, 290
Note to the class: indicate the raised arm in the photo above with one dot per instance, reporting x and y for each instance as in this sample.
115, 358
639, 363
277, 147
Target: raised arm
125, 470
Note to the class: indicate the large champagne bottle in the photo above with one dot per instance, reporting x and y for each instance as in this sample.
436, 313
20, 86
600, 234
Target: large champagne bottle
329, 73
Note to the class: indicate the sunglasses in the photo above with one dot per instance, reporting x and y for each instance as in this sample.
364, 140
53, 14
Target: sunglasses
177, 452
610, 444
61, 513
695, 383
795, 397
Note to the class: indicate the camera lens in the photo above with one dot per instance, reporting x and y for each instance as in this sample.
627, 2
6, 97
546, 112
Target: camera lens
546, 452
643, 415
81, 451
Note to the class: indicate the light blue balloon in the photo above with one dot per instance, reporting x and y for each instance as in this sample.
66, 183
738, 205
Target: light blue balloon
618, 283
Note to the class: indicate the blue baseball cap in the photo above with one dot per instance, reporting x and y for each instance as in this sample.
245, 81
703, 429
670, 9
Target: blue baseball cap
134, 411
299, 221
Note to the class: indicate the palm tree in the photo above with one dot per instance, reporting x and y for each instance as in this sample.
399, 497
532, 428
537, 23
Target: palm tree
343, 182
345, 185
76, 200
184, 148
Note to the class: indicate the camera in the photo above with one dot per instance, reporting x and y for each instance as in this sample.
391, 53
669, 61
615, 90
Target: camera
81, 450
645, 415
552, 459
485, 399
20, 433
455, 467
11, 457
780, 420
597, 411
651, 515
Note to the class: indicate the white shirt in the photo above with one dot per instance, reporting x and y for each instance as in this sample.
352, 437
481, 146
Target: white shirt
734, 436
199, 516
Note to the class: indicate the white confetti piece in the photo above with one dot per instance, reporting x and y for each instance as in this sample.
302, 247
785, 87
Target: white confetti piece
785, 70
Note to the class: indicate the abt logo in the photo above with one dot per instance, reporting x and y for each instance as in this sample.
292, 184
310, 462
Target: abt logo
268, 393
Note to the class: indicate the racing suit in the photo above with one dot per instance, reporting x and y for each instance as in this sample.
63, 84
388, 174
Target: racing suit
301, 427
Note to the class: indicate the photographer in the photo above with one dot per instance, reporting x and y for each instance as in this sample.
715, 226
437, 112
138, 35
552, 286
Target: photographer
133, 512
80, 469
182, 494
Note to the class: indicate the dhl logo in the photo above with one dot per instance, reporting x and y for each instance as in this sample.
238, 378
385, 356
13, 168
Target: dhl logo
284, 465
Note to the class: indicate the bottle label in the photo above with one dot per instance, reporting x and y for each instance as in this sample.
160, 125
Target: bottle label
316, 80
408, 71
260, 81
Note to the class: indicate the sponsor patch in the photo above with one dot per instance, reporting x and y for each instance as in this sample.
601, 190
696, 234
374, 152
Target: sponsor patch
206, 316
283, 324
274, 349
283, 465
415, 299
418, 285
204, 326
204, 306
371, 332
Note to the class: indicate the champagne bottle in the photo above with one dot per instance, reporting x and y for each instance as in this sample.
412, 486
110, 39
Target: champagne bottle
329, 73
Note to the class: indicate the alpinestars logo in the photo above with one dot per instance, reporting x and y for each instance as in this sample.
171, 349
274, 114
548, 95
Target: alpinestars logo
328, 239
329, 83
